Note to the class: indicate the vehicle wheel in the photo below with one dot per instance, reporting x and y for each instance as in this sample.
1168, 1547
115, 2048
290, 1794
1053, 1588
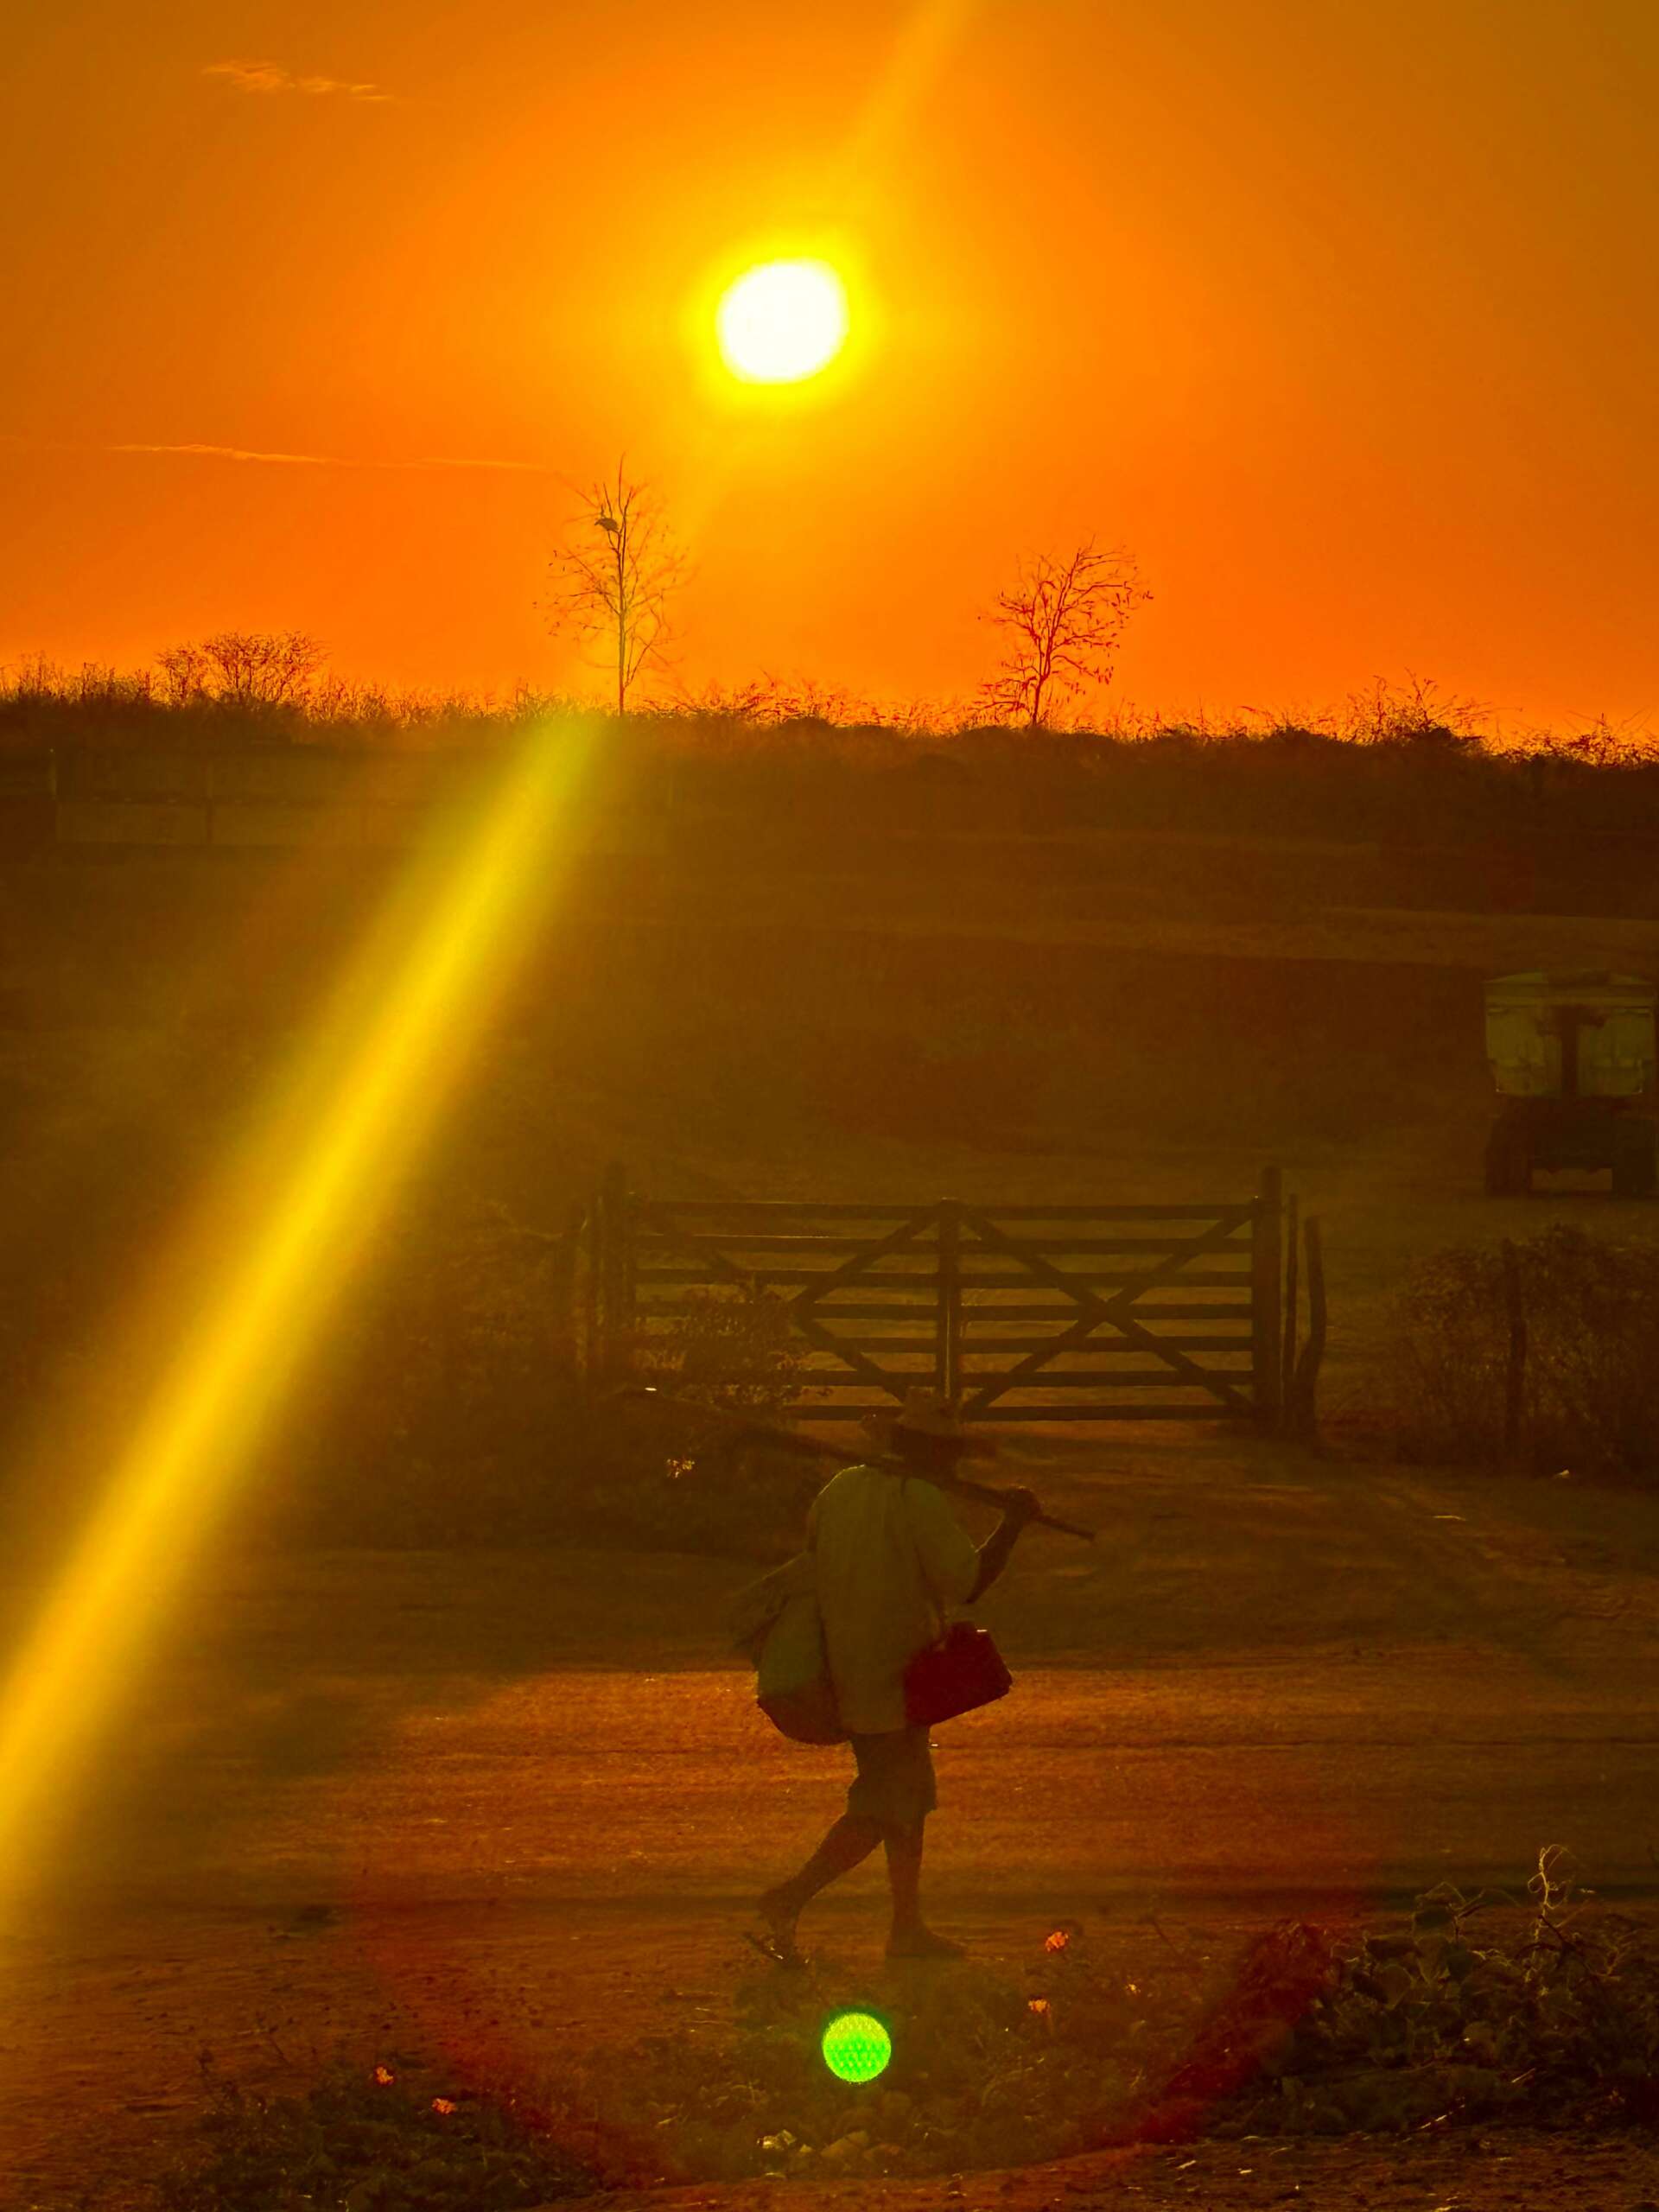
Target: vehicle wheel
1496, 1164
1508, 1163
1634, 1166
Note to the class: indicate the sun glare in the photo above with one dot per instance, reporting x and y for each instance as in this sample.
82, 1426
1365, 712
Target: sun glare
275, 1246
782, 322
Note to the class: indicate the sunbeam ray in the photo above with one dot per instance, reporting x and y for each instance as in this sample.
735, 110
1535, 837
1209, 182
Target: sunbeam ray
269, 1254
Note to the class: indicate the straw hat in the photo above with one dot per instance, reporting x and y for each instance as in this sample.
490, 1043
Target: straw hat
927, 1413
930, 1413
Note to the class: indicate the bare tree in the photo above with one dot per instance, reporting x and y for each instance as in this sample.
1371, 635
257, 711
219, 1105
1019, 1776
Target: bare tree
613, 577
1061, 621
243, 668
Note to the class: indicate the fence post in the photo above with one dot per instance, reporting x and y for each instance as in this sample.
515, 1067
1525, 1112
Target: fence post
1303, 1408
592, 1276
1267, 1292
948, 1353
1515, 1367
567, 1257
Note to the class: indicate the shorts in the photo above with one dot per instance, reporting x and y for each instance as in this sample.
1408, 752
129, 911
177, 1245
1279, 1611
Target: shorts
895, 1785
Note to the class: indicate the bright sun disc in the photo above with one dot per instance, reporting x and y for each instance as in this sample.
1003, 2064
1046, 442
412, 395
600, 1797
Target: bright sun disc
782, 322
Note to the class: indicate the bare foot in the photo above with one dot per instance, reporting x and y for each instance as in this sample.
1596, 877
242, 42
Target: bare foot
779, 1911
922, 1943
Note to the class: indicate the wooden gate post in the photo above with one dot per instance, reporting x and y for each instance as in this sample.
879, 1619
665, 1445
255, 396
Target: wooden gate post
1301, 1408
1293, 1315
1267, 1295
947, 1366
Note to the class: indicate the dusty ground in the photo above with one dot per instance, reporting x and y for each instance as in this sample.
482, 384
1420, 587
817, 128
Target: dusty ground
1508, 2173
502, 1807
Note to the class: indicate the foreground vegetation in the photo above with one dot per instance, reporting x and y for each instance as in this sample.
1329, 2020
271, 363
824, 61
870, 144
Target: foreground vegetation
1481, 2007
382, 2138
1541, 2012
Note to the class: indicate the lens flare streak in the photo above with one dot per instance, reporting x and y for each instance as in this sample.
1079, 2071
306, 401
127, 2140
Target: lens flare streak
269, 1253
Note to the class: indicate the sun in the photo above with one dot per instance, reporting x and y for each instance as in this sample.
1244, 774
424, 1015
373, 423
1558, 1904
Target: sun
782, 322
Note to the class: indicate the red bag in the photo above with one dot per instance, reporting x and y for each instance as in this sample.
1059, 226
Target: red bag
963, 1670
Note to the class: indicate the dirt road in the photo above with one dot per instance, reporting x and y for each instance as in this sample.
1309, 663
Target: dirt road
499, 1807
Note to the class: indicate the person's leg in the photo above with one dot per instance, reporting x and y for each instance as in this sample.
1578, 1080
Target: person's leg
904, 1848
914, 1797
911, 1938
847, 1844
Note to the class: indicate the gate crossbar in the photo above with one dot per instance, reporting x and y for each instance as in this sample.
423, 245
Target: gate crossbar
932, 1276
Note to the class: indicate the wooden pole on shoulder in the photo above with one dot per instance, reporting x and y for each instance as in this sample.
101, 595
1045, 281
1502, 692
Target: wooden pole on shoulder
739, 1426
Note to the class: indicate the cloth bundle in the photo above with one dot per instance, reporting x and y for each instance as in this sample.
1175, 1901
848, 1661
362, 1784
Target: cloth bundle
777, 1621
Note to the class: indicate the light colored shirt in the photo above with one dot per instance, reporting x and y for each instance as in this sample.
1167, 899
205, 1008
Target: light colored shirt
892, 1561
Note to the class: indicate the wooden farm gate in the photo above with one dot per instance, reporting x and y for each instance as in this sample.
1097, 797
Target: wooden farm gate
1026, 1313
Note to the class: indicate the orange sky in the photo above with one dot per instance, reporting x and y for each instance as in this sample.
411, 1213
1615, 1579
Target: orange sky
1343, 317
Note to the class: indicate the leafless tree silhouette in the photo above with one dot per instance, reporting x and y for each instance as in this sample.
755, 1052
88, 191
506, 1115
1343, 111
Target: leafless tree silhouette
614, 574
1061, 621
246, 668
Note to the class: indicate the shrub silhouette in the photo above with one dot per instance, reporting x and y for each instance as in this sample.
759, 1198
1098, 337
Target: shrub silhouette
1587, 1399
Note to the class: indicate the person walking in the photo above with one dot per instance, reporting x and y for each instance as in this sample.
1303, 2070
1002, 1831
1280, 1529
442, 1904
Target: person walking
892, 1560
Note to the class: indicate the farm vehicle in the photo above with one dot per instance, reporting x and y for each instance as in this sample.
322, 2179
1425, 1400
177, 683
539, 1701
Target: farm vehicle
1572, 1058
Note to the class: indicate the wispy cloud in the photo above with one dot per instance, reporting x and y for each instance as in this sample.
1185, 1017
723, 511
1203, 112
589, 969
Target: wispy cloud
269, 77
235, 453
330, 461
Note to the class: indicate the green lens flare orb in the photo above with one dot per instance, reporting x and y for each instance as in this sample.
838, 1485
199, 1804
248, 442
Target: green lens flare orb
856, 2046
